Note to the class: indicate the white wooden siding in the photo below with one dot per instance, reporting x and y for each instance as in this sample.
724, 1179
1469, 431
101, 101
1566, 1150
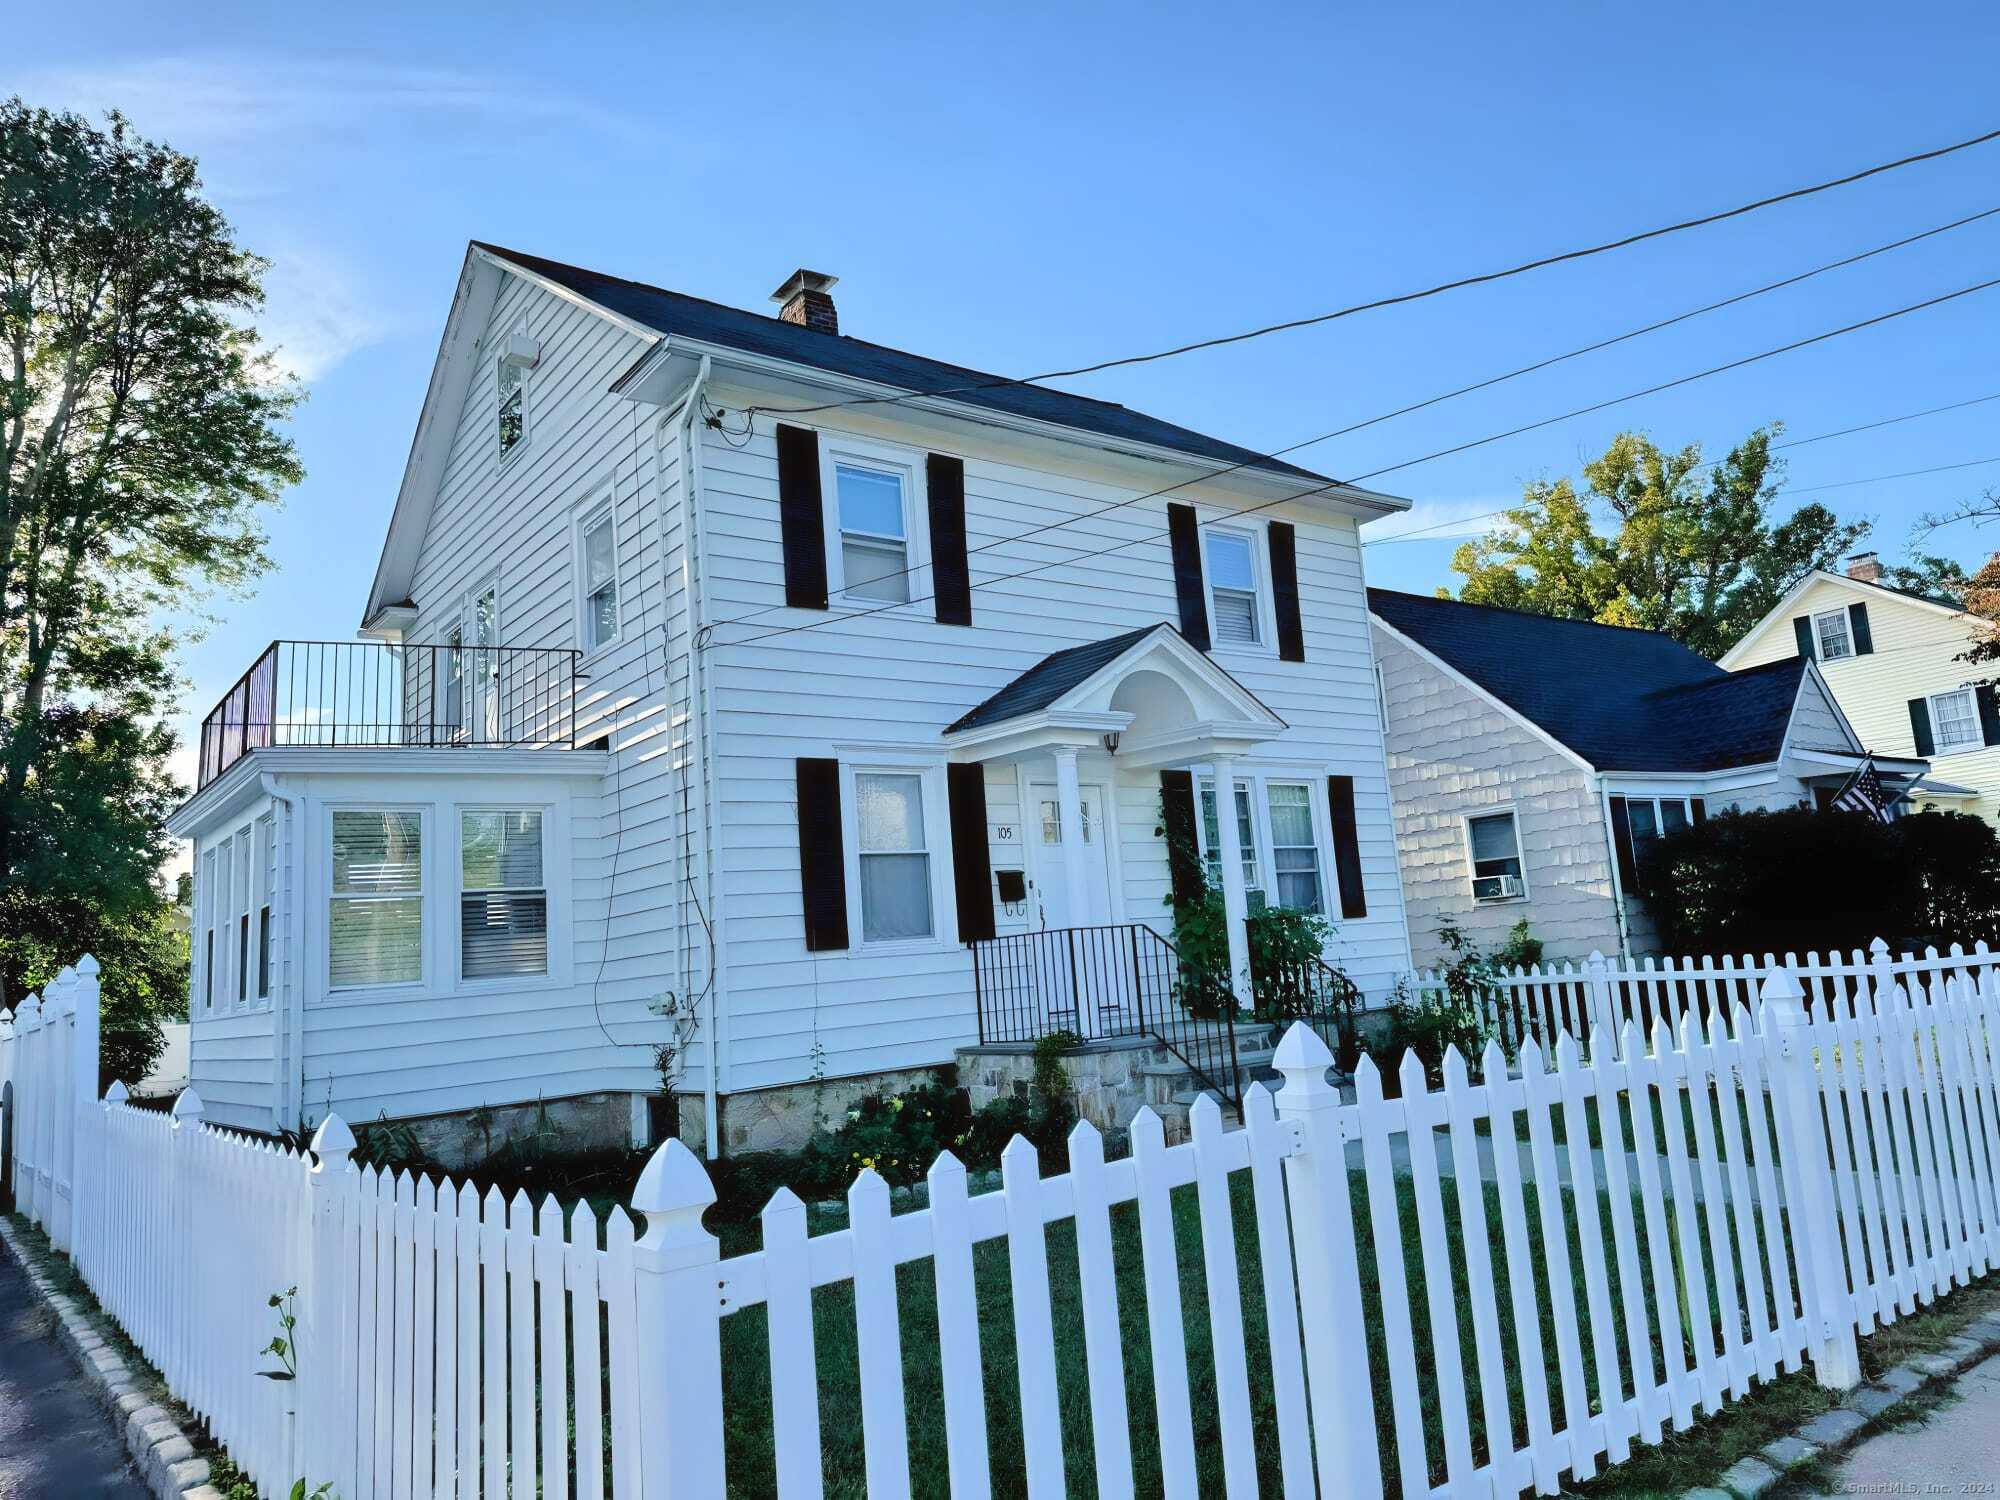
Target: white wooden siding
897, 678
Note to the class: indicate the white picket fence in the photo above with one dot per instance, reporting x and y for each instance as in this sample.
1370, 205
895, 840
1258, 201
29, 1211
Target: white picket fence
1764, 1187
1545, 1001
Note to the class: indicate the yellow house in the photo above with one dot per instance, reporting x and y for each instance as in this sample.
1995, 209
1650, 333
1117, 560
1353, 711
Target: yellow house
1891, 658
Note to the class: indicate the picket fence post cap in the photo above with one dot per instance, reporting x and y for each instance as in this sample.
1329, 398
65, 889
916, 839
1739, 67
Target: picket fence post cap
1303, 1057
1784, 997
188, 1106
1879, 948
117, 1093
333, 1142
1596, 957
87, 966
675, 1185
65, 976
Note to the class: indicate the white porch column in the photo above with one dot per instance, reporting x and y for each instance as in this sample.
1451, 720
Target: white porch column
1069, 810
1235, 906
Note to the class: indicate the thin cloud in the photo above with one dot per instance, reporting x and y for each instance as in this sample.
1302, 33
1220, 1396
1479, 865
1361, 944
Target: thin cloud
314, 313
203, 101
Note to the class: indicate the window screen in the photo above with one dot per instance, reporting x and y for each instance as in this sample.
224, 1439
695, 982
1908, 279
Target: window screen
375, 916
895, 861
503, 905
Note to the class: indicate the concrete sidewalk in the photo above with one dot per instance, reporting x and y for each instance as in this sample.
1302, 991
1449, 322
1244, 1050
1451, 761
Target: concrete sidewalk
55, 1439
1955, 1452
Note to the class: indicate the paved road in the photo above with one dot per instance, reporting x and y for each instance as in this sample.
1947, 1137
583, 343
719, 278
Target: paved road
56, 1441
1951, 1454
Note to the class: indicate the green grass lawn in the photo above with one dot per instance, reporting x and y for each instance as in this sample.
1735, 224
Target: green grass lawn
746, 1356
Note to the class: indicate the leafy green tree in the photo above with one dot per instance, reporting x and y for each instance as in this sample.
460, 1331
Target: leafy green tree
139, 437
1692, 550
1933, 577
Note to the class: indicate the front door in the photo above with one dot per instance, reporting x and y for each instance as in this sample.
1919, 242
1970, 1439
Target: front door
1062, 907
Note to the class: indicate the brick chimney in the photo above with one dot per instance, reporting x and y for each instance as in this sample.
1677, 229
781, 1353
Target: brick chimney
806, 302
1865, 567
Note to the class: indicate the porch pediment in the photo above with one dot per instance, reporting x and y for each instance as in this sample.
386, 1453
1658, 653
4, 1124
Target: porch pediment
1164, 702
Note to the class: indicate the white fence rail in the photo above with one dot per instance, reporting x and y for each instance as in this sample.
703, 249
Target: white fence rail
1543, 1002
1467, 1290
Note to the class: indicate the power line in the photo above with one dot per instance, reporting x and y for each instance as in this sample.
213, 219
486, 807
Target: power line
1735, 364
1889, 421
1971, 463
1458, 284
1529, 369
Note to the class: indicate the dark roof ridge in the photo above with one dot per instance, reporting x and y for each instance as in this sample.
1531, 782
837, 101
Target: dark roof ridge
525, 257
1532, 614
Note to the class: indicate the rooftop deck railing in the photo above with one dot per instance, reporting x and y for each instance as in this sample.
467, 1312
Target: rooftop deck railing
373, 694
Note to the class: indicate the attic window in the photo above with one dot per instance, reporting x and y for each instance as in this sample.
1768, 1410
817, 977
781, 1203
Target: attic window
1831, 632
513, 410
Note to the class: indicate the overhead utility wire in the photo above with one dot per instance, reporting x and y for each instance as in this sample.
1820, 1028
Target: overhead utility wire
1259, 459
1665, 385
1460, 283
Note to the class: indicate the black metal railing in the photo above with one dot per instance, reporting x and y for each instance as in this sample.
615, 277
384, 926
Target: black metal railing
1308, 989
374, 694
1121, 980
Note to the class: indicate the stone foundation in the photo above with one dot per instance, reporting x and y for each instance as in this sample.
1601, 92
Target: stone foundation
1105, 1078
582, 1123
784, 1119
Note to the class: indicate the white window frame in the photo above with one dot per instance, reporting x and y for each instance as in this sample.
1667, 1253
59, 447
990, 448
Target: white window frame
262, 908
460, 890
599, 509
507, 454
427, 883
1846, 635
1259, 780
241, 903
205, 903
937, 842
1956, 747
475, 698
1512, 812
1658, 802
1260, 583
908, 466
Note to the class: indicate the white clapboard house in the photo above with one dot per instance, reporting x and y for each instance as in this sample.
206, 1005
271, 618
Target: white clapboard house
720, 665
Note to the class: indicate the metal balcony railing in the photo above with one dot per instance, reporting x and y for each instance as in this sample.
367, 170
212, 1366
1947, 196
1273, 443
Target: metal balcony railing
372, 694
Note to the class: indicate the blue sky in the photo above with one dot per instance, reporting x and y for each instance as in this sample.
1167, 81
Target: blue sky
1028, 187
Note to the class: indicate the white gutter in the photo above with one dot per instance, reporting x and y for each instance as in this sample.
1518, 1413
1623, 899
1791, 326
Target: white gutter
693, 571
295, 943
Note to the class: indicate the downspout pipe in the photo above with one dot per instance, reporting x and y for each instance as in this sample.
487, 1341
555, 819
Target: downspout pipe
1617, 881
293, 1004
692, 580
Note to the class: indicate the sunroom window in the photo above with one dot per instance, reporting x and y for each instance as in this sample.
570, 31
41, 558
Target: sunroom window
375, 916
503, 905
895, 858
874, 533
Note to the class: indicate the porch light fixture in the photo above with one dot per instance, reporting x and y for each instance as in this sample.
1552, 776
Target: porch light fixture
1110, 742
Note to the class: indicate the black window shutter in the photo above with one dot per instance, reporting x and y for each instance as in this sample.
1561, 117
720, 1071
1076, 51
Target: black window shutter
1284, 549
1621, 841
1186, 539
1857, 626
801, 518
1802, 628
1920, 725
1183, 852
951, 581
971, 860
1989, 713
1346, 845
822, 855
1698, 809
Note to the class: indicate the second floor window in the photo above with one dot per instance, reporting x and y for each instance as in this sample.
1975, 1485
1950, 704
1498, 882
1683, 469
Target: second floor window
1955, 719
874, 534
1232, 589
1830, 630
513, 413
599, 548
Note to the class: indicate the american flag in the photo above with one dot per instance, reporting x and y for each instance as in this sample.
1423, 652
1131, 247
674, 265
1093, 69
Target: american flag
1863, 792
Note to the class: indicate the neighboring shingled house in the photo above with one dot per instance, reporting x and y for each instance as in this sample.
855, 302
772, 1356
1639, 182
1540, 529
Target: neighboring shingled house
1532, 761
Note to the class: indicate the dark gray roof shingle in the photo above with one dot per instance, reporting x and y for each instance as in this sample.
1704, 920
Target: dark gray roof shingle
1049, 678
1624, 700
691, 317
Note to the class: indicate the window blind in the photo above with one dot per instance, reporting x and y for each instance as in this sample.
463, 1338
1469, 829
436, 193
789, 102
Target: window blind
375, 915
503, 906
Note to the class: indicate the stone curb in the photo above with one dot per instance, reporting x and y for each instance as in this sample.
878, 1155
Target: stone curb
1856, 1417
161, 1452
